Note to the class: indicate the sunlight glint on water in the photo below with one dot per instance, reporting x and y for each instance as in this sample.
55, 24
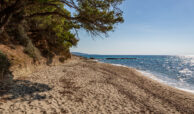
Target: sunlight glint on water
176, 71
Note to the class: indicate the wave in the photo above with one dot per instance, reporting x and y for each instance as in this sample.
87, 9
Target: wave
175, 71
170, 82
173, 83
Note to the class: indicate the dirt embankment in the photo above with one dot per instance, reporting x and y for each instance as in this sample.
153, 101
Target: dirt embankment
21, 64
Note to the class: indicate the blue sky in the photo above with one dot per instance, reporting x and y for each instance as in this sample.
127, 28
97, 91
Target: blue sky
151, 27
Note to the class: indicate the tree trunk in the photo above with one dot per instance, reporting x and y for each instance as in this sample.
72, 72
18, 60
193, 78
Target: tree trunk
7, 13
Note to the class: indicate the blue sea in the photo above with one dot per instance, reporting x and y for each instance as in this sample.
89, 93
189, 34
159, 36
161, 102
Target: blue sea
176, 71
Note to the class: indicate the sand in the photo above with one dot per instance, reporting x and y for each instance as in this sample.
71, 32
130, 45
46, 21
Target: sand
86, 86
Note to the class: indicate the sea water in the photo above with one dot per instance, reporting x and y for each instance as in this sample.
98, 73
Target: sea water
176, 71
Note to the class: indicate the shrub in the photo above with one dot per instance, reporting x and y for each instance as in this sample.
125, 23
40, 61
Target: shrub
4, 65
32, 51
62, 59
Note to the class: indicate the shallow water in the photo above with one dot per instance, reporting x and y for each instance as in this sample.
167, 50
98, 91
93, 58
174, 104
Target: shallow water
176, 71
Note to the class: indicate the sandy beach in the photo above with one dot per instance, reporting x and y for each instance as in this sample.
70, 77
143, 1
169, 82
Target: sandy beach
86, 86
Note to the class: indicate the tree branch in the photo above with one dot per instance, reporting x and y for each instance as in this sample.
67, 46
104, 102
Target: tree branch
49, 13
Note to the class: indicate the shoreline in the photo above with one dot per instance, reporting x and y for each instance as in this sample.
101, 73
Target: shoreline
149, 75
85, 86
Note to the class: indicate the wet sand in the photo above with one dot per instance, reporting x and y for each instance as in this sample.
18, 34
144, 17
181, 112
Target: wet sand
86, 86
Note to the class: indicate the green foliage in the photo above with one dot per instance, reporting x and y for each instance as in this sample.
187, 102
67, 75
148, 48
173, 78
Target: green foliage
55, 32
49, 24
99, 15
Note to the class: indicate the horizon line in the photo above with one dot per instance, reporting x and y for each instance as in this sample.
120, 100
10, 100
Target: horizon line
137, 54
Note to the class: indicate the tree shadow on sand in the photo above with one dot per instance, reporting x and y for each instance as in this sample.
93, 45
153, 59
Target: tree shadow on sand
11, 89
25, 90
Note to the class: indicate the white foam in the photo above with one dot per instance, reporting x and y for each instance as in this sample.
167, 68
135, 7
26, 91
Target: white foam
119, 65
186, 71
96, 60
170, 82
187, 90
166, 80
